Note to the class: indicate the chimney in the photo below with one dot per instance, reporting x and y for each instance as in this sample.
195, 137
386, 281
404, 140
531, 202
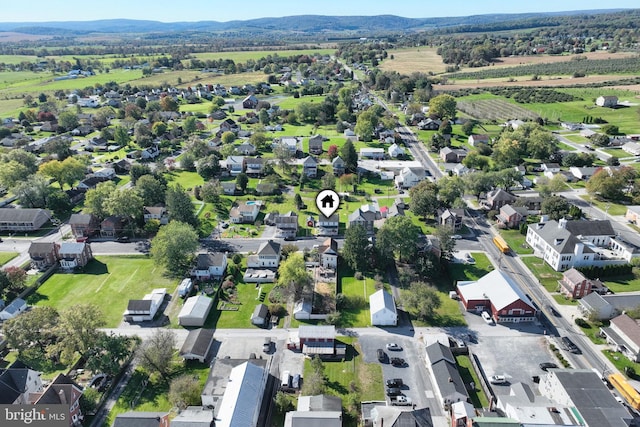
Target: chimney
562, 223
62, 397
578, 249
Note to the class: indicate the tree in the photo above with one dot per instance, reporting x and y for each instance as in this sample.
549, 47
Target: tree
228, 137
282, 153
443, 233
450, 189
190, 125
12, 173
241, 182
159, 128
125, 203
443, 106
421, 300
167, 103
32, 332
59, 147
428, 266
68, 120
258, 139
209, 166
179, 206
121, 136
610, 186
151, 189
349, 156
174, 246
78, 331
445, 127
89, 400
506, 152
467, 127
556, 207
354, 251
33, 192
398, 237
316, 383
282, 402
95, 199
600, 139
293, 276
211, 191
184, 391
63, 172
365, 125
156, 353
424, 198
328, 181
108, 353
332, 152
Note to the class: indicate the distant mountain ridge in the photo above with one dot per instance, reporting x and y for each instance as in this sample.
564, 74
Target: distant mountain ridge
301, 23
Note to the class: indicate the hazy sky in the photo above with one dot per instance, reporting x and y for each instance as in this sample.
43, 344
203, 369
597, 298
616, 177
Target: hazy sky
213, 10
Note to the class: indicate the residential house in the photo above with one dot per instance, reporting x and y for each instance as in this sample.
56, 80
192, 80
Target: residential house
448, 383
365, 216
372, 153
17, 382
395, 151
155, 212
575, 285
246, 149
210, 265
122, 166
229, 125
145, 309
532, 203
583, 173
605, 307
250, 102
586, 394
499, 295
315, 144
328, 226
229, 188
267, 256
150, 153
43, 254
393, 416
409, 177
551, 167
452, 155
260, 315
623, 334
61, 391
18, 219
105, 173
84, 225
111, 226
512, 216
632, 148
195, 310
328, 252
74, 255
564, 244
383, 309
429, 124
194, 416
254, 166
235, 165
16, 307
142, 419
89, 183
338, 166
286, 225
451, 218
498, 198
266, 188
292, 143
607, 101
474, 140
310, 167
245, 212
320, 410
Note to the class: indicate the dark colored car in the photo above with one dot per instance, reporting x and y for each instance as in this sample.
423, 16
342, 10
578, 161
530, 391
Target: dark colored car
397, 361
382, 356
548, 365
570, 345
395, 382
394, 391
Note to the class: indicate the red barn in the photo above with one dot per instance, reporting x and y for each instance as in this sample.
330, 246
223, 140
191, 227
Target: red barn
318, 340
497, 294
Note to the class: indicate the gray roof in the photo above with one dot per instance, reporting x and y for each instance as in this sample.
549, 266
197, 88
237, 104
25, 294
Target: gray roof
260, 312
193, 416
312, 331
138, 419
41, 247
590, 228
629, 327
591, 397
448, 378
84, 219
437, 352
198, 342
269, 248
15, 306
139, 305
13, 382
320, 402
561, 238
207, 260
20, 215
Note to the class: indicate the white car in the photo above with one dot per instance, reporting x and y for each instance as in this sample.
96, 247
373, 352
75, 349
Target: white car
498, 379
487, 318
456, 236
393, 347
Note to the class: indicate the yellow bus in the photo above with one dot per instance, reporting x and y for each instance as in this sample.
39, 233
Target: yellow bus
626, 390
501, 244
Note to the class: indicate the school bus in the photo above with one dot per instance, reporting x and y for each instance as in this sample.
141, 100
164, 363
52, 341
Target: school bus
626, 390
501, 244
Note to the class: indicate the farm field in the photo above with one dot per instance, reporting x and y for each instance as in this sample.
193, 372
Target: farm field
495, 109
116, 279
407, 61
245, 55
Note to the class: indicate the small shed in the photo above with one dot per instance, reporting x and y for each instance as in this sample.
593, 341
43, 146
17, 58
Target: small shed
197, 345
260, 315
195, 311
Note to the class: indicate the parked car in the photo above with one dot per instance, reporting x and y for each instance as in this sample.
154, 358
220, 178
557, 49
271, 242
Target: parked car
548, 365
266, 347
395, 382
570, 345
397, 361
456, 236
393, 391
498, 379
382, 356
400, 401
393, 347
487, 317
295, 381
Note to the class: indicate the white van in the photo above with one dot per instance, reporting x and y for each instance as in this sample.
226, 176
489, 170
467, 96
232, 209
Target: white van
286, 380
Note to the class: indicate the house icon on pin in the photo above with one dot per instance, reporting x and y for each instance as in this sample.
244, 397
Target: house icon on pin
327, 201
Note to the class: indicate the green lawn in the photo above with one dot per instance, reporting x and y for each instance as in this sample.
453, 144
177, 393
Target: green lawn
108, 282
545, 274
468, 374
151, 394
188, 180
247, 299
358, 292
458, 271
5, 257
628, 283
516, 241
609, 207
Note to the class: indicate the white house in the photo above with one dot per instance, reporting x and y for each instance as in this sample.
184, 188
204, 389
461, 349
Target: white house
210, 265
372, 153
195, 310
267, 256
607, 101
383, 309
235, 165
409, 177
240, 405
632, 148
145, 309
474, 140
395, 150
245, 212
16, 307
328, 226
105, 173
328, 252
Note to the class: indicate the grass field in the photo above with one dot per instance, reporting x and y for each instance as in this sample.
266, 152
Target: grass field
545, 274
5, 257
108, 282
243, 56
459, 272
468, 374
407, 61
516, 241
